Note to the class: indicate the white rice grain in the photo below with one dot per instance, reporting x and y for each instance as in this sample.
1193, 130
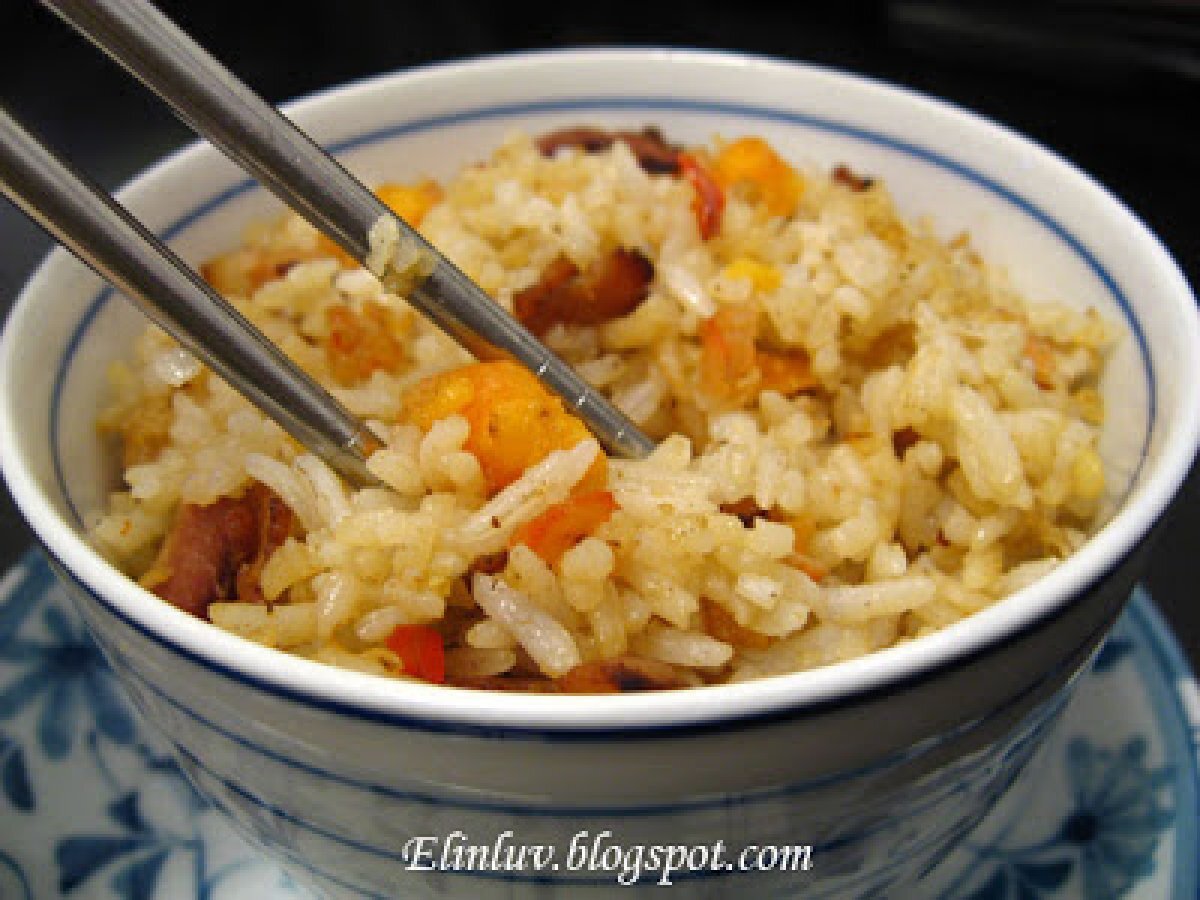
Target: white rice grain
547, 642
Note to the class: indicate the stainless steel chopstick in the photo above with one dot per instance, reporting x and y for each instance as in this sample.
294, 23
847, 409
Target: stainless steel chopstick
107, 237
256, 135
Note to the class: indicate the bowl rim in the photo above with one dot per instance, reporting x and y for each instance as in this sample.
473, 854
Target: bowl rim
796, 694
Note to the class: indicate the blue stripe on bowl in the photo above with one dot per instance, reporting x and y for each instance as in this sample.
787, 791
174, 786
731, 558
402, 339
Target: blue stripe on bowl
247, 796
874, 876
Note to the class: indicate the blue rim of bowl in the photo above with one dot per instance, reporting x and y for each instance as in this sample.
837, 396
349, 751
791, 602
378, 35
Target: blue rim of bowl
578, 105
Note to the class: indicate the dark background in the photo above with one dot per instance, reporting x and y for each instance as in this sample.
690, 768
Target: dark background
1113, 86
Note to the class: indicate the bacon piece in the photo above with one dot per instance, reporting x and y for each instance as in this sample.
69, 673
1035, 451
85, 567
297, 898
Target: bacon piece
590, 140
611, 287
216, 552
543, 303
653, 152
844, 175
1040, 353
625, 675
656, 156
746, 509
276, 523
490, 564
904, 438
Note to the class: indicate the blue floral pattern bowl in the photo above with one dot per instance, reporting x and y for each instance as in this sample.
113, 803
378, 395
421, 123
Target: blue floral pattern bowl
97, 807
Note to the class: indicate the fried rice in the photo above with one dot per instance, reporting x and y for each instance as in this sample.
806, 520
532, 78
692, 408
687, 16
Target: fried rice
864, 432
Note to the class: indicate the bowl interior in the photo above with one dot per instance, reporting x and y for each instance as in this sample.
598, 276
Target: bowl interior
1059, 236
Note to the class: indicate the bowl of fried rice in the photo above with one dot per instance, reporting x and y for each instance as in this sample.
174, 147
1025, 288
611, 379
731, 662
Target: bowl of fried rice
920, 391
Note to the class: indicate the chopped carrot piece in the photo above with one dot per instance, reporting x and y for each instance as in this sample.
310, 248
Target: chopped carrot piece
411, 202
804, 528
565, 524
363, 342
514, 421
733, 368
728, 357
809, 567
752, 165
242, 271
787, 371
421, 651
1040, 352
331, 249
709, 202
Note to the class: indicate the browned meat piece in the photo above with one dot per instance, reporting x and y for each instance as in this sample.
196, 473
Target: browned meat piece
590, 140
491, 564
745, 509
276, 523
626, 675
611, 287
902, 439
846, 176
653, 152
525, 684
721, 624
216, 552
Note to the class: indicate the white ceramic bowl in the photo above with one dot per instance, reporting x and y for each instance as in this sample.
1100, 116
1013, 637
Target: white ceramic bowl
878, 763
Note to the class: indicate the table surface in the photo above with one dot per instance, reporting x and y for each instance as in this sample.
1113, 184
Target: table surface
1101, 83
